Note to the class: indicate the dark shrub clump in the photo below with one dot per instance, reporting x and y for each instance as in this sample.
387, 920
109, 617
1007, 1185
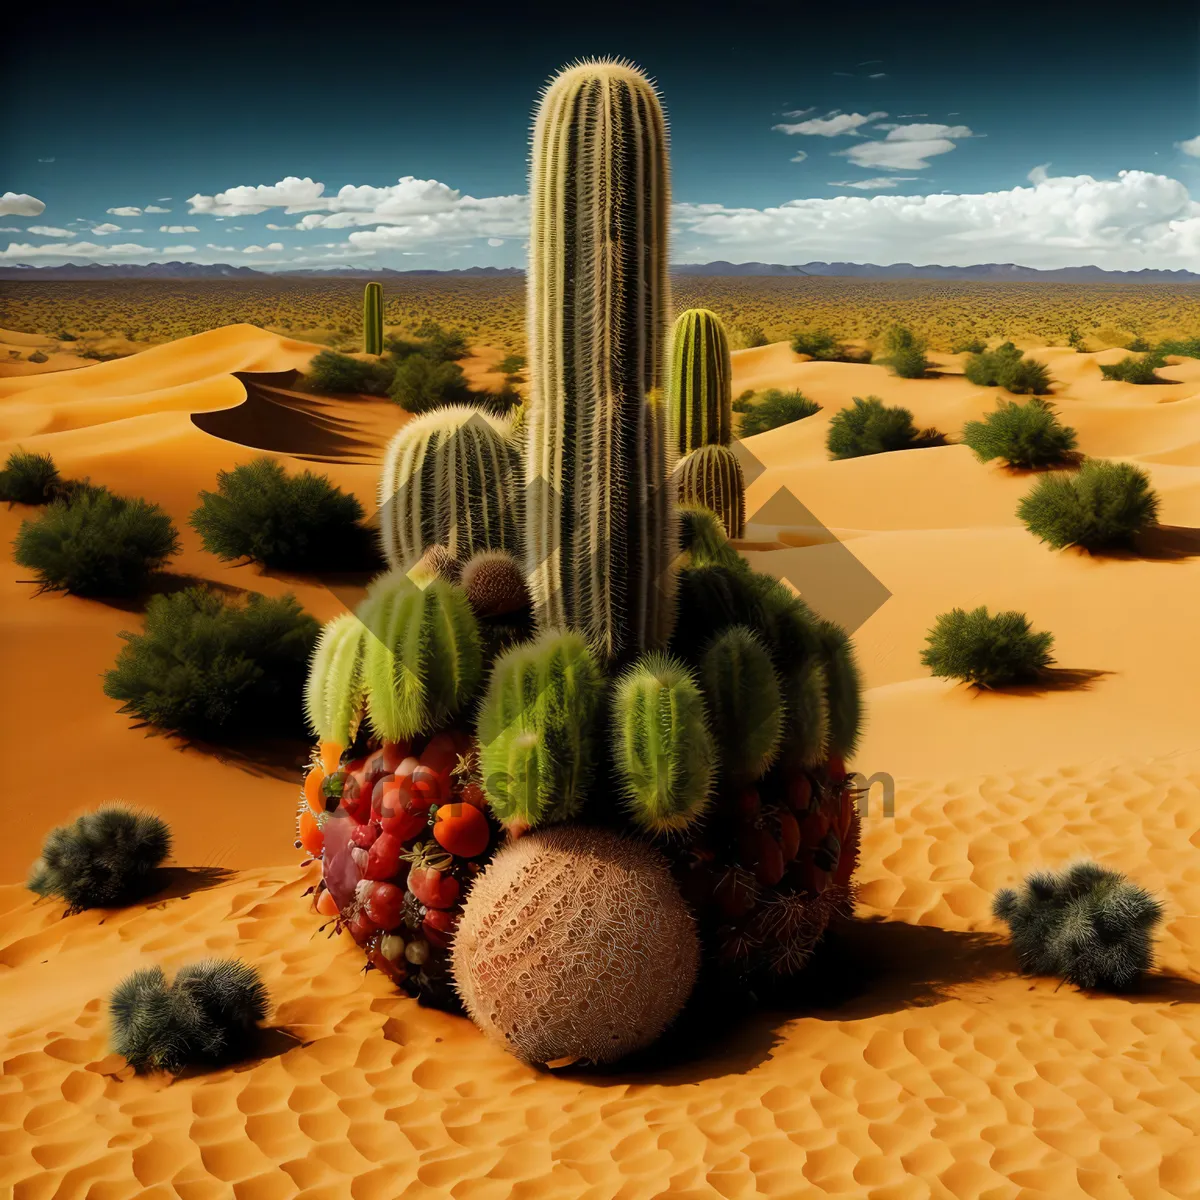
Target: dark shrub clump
102, 859
204, 666
288, 521
776, 408
969, 346
986, 650
1104, 505
1022, 435
422, 383
1087, 925
1007, 367
332, 374
29, 478
905, 353
823, 346
209, 1015
871, 427
94, 543
1134, 370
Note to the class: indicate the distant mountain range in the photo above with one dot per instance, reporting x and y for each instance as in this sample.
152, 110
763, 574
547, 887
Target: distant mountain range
981, 272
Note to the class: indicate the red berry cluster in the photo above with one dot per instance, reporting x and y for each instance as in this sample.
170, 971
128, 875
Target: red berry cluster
774, 863
401, 834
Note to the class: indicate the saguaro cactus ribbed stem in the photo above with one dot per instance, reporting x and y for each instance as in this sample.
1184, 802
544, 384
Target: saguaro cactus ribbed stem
450, 478
373, 318
600, 513
712, 476
701, 381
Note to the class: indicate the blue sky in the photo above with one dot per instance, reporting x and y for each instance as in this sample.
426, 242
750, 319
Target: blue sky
398, 137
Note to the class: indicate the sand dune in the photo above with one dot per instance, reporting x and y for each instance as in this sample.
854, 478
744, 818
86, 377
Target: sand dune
947, 1075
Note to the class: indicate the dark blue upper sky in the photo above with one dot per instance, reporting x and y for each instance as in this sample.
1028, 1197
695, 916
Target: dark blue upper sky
142, 102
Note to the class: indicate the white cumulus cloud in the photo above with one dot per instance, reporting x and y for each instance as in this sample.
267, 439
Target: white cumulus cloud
19, 251
495, 241
262, 249
1191, 146
105, 229
178, 229
1137, 220
49, 231
833, 124
19, 204
179, 249
154, 208
879, 183
126, 210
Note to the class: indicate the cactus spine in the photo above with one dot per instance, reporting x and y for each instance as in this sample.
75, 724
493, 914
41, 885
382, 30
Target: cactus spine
373, 318
536, 729
744, 702
422, 661
843, 689
701, 381
600, 516
662, 749
450, 478
712, 476
334, 697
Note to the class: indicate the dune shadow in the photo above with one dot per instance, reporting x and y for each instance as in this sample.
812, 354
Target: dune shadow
862, 968
276, 418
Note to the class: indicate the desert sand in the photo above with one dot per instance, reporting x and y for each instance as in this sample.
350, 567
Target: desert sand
948, 1075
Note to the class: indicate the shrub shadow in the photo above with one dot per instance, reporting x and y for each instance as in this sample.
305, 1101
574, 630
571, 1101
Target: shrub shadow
1068, 462
276, 756
1053, 679
1170, 542
167, 583
270, 1042
177, 883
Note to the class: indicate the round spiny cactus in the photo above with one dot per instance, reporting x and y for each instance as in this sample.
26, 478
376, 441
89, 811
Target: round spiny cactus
712, 476
495, 584
334, 695
575, 944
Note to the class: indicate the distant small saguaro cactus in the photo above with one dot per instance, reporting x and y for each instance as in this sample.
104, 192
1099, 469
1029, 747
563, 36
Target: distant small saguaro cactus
373, 318
701, 381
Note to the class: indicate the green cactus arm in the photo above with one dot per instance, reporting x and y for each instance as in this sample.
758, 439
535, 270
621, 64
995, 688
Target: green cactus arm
334, 695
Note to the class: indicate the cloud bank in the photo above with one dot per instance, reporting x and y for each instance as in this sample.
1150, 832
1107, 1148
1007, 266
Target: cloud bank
19, 204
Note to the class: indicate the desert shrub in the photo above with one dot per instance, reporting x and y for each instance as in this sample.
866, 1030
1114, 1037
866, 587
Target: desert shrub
421, 383
1180, 347
29, 478
750, 336
817, 343
203, 666
968, 346
1076, 341
905, 353
986, 650
38, 357
1007, 367
1023, 435
871, 427
1138, 345
1087, 925
1133, 370
511, 365
208, 1015
745, 402
777, 408
94, 543
102, 859
287, 521
1103, 505
332, 374
441, 345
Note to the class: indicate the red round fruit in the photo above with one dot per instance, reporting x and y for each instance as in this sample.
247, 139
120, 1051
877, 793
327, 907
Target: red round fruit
836, 767
770, 865
362, 927
789, 835
384, 859
394, 753
404, 817
799, 793
384, 904
474, 795
748, 804
364, 835
433, 888
439, 926
462, 829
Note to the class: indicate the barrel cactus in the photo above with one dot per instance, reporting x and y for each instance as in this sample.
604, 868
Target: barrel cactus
600, 524
450, 478
373, 318
712, 476
334, 694
701, 381
745, 702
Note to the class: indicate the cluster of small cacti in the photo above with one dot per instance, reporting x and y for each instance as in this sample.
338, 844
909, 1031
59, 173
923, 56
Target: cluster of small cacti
701, 391
569, 679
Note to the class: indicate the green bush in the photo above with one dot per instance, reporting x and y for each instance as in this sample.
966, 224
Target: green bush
512, 365
744, 402
1023, 435
204, 666
1138, 345
1076, 341
102, 859
751, 336
1180, 347
1103, 505
1007, 367
1087, 925
94, 543
442, 345
331, 373
985, 650
817, 343
209, 1015
871, 427
774, 409
29, 478
969, 346
286, 521
421, 383
1134, 370
905, 353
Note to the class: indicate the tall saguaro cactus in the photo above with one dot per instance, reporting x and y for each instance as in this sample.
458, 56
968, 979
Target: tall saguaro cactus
373, 319
601, 532
701, 381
